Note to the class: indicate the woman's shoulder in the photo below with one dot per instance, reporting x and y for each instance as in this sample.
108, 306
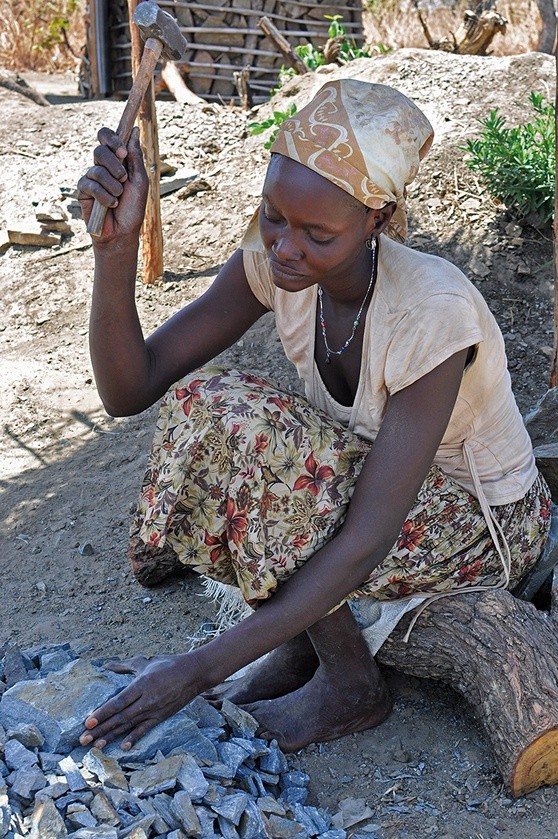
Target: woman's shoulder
410, 277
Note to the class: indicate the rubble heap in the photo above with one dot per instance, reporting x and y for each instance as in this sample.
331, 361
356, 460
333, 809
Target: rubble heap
203, 773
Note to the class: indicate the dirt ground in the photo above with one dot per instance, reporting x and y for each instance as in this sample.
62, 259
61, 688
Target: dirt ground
69, 474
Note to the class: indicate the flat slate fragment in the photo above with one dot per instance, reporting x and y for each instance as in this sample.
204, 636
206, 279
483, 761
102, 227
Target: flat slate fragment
231, 807
183, 809
156, 778
178, 731
59, 703
282, 828
106, 768
46, 822
75, 779
241, 722
17, 756
27, 781
30, 233
191, 779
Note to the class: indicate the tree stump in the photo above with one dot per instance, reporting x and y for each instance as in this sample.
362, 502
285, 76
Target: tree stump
501, 654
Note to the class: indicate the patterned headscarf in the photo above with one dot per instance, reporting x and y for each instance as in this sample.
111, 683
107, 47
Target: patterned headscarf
367, 138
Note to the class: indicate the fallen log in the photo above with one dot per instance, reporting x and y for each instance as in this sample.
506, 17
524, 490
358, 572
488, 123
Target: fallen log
501, 654
175, 84
17, 84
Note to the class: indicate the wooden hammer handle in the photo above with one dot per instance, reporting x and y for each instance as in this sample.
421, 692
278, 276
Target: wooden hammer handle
151, 54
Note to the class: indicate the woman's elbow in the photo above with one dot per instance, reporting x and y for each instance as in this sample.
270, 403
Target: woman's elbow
121, 407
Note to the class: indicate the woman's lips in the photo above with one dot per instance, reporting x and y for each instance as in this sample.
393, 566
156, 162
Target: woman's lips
284, 271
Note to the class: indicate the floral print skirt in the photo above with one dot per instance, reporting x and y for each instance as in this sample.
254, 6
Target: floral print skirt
245, 482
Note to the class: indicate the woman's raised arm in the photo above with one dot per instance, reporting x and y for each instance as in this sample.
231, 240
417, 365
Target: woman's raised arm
131, 372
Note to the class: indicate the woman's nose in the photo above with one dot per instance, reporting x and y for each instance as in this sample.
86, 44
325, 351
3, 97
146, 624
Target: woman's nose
285, 248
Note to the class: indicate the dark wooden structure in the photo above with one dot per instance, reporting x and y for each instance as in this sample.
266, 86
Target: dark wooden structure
223, 37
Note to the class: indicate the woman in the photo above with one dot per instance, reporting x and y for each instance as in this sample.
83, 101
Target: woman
251, 486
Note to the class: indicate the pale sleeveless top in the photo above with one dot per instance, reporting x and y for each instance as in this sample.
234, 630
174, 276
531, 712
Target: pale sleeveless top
423, 310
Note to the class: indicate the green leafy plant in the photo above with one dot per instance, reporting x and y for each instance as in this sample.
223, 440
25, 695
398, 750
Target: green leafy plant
517, 164
346, 49
55, 23
276, 119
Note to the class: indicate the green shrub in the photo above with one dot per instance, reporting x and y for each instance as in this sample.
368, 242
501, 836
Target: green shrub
517, 165
38, 34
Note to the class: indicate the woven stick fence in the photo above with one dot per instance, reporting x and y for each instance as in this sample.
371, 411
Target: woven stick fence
223, 37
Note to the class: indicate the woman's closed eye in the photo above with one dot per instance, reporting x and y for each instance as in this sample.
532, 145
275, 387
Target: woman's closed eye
268, 216
317, 240
315, 236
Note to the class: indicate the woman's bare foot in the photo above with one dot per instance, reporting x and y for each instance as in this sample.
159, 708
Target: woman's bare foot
281, 671
347, 692
321, 711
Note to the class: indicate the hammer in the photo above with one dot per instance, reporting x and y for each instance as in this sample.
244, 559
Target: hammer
162, 36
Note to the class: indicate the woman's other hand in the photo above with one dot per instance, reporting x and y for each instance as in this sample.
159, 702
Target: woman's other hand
118, 180
163, 685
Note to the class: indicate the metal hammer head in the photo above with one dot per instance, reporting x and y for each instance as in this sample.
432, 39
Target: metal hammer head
153, 22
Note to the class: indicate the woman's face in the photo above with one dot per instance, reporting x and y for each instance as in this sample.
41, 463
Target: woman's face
313, 232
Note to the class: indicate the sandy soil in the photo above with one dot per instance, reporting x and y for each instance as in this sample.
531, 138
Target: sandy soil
69, 473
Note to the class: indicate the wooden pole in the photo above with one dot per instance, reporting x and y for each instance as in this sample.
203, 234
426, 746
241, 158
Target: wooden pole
152, 230
242, 82
281, 42
554, 366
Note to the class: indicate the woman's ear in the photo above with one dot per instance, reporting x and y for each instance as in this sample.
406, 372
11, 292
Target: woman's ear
378, 220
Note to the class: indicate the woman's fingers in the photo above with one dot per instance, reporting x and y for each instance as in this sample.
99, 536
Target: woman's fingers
139, 732
108, 731
108, 137
98, 183
119, 182
101, 740
133, 665
134, 163
164, 684
115, 706
104, 157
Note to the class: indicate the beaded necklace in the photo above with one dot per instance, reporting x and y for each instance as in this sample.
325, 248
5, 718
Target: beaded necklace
329, 351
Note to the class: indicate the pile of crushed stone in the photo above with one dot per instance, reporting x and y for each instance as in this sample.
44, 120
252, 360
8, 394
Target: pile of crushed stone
203, 774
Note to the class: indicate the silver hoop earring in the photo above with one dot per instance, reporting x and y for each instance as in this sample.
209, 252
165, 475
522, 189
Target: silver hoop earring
371, 243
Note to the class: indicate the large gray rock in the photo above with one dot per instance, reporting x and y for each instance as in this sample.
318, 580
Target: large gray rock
59, 703
542, 420
547, 461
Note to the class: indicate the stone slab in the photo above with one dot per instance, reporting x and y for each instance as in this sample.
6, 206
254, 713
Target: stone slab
59, 703
178, 731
